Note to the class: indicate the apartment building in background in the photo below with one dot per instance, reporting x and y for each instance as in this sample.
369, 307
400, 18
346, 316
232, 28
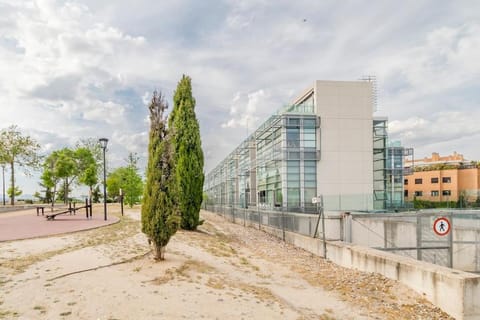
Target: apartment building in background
443, 178
326, 143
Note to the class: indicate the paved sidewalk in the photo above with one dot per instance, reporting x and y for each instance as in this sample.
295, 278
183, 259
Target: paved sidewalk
26, 224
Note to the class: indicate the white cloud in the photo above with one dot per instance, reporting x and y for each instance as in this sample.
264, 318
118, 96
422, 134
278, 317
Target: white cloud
86, 68
245, 109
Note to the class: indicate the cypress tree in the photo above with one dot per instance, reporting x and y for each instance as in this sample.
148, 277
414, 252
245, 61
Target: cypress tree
160, 217
188, 154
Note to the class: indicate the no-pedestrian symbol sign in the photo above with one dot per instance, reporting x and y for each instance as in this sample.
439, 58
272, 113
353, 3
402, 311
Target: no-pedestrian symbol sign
441, 226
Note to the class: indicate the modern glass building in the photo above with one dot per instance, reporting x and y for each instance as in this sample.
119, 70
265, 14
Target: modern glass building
326, 143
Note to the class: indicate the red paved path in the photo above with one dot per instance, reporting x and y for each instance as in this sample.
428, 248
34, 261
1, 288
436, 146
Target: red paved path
26, 224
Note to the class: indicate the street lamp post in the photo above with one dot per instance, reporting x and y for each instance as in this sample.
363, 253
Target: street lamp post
3, 179
103, 144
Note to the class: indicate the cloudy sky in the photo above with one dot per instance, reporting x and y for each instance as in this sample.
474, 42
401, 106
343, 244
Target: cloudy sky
86, 68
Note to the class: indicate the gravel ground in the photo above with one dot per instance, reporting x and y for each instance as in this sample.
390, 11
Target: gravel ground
377, 296
221, 271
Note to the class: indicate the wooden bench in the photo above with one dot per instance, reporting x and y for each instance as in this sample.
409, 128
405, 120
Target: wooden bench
42, 209
53, 215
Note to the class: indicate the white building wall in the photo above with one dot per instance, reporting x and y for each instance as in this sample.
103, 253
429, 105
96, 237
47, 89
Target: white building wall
345, 169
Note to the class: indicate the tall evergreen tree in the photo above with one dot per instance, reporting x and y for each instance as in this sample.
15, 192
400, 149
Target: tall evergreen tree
188, 154
160, 217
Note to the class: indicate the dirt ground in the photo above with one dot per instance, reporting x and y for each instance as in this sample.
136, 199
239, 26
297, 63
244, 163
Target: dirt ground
221, 271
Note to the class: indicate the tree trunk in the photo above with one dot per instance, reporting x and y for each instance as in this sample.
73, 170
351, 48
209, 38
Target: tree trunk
159, 251
12, 198
53, 195
65, 192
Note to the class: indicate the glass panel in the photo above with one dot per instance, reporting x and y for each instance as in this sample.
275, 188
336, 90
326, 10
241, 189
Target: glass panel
309, 194
310, 123
310, 155
293, 197
293, 177
309, 136
293, 121
293, 183
292, 163
309, 144
293, 170
294, 155
310, 164
310, 184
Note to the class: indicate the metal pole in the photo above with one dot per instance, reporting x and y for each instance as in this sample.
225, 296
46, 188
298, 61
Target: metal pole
104, 186
3, 178
121, 201
450, 241
419, 236
323, 229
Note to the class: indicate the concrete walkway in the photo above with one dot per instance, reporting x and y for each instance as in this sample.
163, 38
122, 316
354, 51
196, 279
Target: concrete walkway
26, 224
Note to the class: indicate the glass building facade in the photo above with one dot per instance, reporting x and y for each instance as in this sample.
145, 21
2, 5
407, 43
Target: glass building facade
275, 167
282, 165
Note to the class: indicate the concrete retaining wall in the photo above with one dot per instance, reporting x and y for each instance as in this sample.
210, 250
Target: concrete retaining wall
455, 292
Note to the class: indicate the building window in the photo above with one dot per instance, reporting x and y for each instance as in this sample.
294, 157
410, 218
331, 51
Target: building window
434, 180
405, 182
446, 179
446, 193
434, 193
418, 193
418, 181
405, 193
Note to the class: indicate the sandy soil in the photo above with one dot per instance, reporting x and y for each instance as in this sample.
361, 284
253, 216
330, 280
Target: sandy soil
222, 271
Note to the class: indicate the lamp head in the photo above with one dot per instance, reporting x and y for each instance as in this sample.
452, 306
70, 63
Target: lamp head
103, 142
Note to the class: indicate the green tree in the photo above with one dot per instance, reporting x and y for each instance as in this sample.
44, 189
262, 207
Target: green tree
97, 153
69, 166
20, 150
160, 217
17, 193
96, 194
188, 154
127, 179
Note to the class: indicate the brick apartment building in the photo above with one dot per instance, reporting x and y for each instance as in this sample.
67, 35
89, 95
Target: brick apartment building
443, 179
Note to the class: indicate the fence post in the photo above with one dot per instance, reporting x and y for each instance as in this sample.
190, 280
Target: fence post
245, 217
450, 241
283, 225
259, 217
419, 236
86, 207
323, 228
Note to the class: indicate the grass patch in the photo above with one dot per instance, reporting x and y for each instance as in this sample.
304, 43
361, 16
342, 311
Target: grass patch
64, 314
184, 272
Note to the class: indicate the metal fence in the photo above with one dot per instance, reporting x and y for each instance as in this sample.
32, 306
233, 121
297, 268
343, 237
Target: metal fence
302, 223
449, 238
408, 234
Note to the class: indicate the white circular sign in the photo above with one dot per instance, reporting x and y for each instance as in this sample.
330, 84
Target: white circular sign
441, 226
